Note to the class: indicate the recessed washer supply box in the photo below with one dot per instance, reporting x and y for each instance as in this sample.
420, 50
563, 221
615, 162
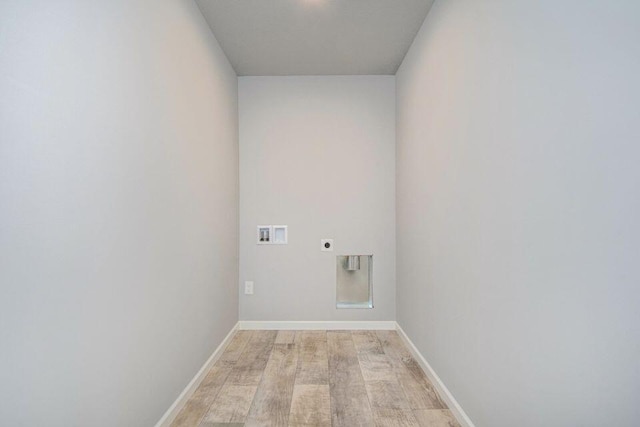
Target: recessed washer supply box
272, 235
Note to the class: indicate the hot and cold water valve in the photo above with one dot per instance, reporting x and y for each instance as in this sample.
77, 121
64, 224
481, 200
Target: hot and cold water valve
272, 235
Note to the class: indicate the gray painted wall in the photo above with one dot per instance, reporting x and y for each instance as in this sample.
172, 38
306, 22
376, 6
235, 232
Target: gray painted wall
118, 208
316, 154
518, 205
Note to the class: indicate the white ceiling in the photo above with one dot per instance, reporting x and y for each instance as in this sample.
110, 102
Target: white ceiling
315, 37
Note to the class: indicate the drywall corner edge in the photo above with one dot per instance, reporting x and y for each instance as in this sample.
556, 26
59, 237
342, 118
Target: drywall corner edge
188, 391
442, 390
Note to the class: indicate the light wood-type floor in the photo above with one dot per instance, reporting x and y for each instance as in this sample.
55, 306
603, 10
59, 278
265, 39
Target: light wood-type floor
315, 378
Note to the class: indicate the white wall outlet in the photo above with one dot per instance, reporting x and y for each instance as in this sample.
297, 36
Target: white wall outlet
326, 245
248, 288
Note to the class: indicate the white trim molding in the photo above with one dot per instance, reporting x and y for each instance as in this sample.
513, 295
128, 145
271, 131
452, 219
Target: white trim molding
387, 325
173, 411
443, 391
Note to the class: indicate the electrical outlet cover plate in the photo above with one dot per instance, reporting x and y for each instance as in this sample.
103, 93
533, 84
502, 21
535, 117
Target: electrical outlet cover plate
326, 245
248, 288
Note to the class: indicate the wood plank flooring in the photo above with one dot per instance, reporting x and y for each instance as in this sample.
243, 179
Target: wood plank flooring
315, 378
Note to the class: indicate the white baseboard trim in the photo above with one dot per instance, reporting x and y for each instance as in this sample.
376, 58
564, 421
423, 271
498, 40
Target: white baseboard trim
442, 390
173, 411
317, 325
